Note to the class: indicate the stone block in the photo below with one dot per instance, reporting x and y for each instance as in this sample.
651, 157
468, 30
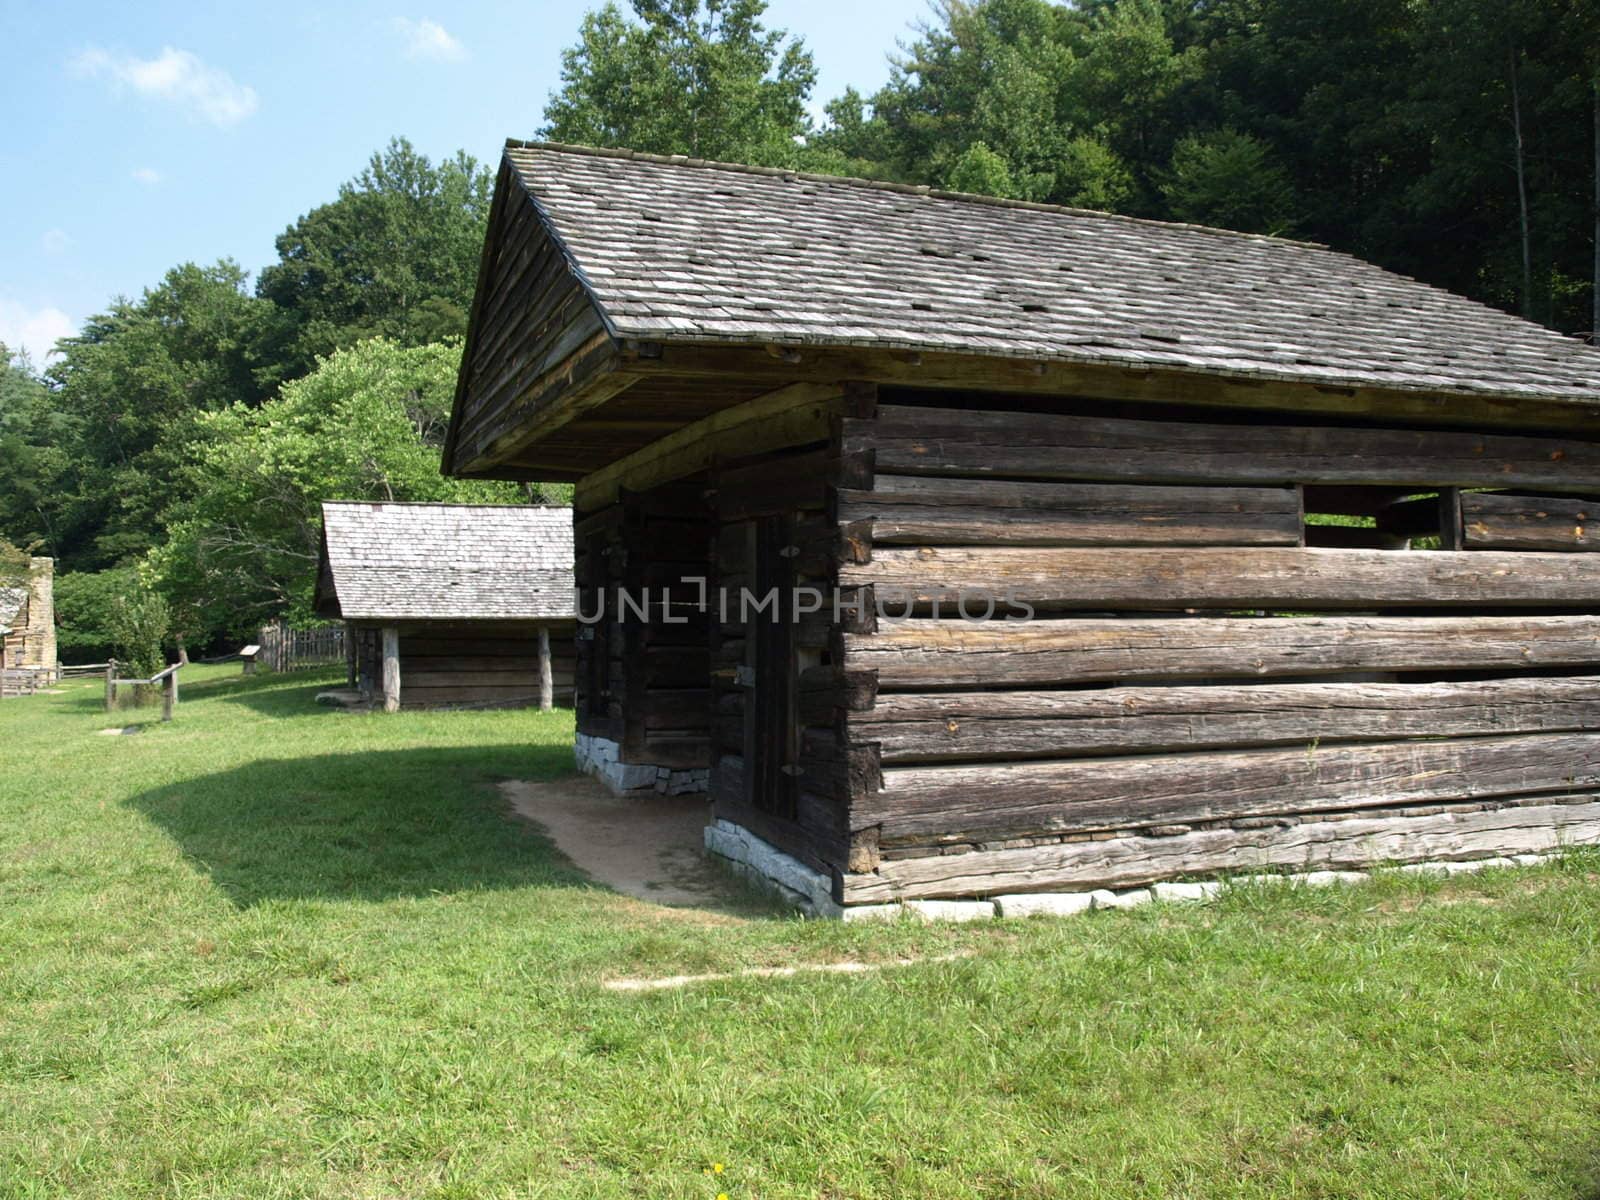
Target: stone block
1184, 892
1054, 904
951, 910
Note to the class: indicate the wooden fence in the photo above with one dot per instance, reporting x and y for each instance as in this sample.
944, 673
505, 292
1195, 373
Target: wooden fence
285, 649
166, 680
23, 681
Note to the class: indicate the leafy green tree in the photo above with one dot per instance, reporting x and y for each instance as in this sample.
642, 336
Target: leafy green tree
367, 424
139, 622
33, 456
1229, 179
699, 77
84, 603
127, 389
982, 171
988, 72
1090, 175
395, 256
1129, 84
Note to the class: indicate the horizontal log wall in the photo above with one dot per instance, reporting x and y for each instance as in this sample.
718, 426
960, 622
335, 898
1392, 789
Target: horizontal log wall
471, 664
1193, 668
800, 803
1491, 521
643, 671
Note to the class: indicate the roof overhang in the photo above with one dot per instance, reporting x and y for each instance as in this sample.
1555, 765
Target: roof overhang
620, 395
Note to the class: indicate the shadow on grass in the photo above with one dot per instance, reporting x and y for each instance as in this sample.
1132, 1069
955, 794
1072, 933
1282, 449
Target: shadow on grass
291, 695
373, 825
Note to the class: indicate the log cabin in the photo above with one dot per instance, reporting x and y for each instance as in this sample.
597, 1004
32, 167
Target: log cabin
1119, 551
28, 622
451, 605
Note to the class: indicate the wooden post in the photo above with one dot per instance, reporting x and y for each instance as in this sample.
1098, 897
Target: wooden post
391, 669
111, 686
169, 696
546, 679
349, 655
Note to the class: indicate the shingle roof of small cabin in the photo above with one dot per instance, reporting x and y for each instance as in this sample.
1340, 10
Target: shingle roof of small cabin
675, 249
11, 601
448, 561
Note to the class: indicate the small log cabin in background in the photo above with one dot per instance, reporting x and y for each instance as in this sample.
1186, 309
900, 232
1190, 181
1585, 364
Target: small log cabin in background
28, 621
452, 605
1302, 541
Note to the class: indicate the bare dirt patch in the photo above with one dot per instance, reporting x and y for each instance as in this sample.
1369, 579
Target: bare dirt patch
650, 848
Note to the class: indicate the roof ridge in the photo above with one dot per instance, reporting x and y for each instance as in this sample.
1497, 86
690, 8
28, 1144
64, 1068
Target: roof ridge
904, 189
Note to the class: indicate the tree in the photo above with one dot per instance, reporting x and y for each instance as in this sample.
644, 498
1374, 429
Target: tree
128, 387
1227, 178
33, 459
367, 424
987, 72
85, 602
395, 256
139, 623
982, 171
699, 77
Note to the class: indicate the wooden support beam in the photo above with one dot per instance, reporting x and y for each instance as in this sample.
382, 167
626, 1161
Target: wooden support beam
1143, 578
169, 695
1358, 843
944, 726
1155, 385
911, 509
546, 678
1491, 521
922, 654
989, 442
790, 416
956, 803
391, 669
111, 686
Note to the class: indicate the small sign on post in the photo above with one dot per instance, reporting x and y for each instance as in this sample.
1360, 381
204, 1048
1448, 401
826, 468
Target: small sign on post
248, 656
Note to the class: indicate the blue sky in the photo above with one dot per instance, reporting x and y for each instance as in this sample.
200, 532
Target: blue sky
138, 136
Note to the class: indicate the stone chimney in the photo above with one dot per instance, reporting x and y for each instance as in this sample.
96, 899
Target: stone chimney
39, 637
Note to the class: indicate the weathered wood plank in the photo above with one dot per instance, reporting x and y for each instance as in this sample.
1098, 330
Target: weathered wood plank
788, 416
1507, 522
934, 441
911, 509
927, 653
1354, 844
1144, 578
999, 725
951, 803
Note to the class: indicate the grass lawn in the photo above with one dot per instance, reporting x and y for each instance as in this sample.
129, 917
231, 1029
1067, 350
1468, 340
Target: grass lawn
270, 950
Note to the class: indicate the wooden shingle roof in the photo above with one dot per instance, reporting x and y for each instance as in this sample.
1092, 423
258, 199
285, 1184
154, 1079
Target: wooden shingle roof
446, 561
679, 250
11, 601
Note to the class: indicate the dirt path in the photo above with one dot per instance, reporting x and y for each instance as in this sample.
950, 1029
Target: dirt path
651, 848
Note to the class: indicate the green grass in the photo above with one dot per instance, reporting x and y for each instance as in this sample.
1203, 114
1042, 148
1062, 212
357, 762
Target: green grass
270, 951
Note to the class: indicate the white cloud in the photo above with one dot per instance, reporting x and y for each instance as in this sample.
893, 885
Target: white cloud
54, 241
428, 39
176, 76
33, 329
148, 176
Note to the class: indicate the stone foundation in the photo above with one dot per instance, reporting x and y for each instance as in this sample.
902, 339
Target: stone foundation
601, 757
812, 892
768, 867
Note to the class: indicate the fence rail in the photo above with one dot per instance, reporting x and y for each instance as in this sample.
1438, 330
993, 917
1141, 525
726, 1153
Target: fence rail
24, 681
166, 680
285, 649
